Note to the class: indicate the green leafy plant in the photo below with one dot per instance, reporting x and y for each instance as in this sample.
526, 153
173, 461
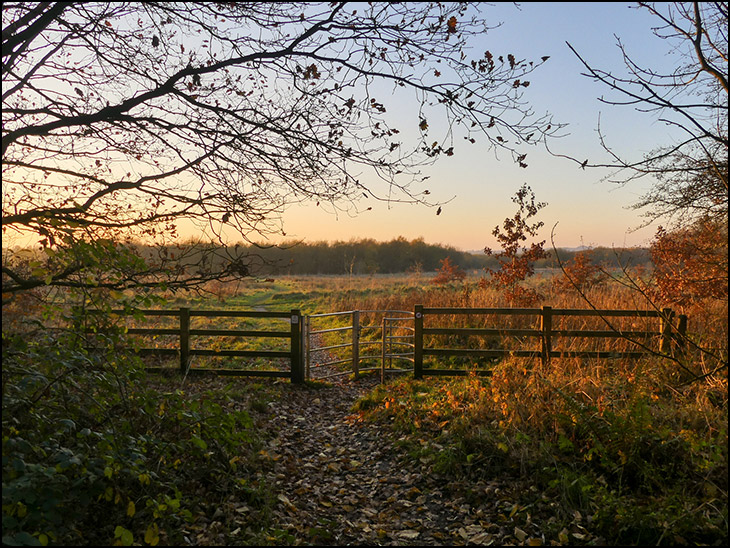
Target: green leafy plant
93, 453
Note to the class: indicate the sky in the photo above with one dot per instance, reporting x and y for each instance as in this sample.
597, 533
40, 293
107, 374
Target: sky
583, 209
476, 186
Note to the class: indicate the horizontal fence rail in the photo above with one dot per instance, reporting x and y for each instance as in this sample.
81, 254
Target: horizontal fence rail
186, 351
546, 334
406, 336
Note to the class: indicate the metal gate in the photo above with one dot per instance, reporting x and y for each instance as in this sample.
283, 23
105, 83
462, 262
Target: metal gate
368, 340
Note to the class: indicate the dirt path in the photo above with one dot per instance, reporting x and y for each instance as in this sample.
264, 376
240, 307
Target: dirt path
344, 482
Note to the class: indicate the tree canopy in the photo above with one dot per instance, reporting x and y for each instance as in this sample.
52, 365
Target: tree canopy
122, 118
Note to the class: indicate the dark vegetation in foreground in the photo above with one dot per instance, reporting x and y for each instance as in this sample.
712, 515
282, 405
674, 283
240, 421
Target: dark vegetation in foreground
95, 451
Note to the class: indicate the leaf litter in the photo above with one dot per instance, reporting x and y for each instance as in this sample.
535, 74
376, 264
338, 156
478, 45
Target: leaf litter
338, 480
343, 481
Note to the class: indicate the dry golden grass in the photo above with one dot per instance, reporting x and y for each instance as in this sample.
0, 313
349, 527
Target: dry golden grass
639, 445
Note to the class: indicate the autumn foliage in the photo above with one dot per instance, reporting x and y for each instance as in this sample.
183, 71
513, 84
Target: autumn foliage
691, 264
580, 273
448, 273
517, 261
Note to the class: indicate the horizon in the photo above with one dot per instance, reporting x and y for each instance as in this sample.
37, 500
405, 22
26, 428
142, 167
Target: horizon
354, 240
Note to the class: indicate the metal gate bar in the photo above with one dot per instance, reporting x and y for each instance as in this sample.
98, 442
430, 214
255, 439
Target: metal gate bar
389, 340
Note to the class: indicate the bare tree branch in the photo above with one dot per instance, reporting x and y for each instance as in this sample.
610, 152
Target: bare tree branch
120, 119
690, 175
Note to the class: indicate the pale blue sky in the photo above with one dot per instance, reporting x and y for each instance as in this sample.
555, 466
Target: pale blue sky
589, 211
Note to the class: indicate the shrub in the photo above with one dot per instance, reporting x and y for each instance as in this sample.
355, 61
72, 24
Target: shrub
580, 273
92, 455
691, 264
448, 273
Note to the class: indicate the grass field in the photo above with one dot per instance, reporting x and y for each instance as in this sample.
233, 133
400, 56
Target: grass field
320, 294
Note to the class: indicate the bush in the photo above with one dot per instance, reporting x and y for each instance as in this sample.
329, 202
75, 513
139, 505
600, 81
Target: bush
580, 273
448, 273
92, 455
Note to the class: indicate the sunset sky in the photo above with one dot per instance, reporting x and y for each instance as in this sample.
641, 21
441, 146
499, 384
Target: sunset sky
589, 211
474, 187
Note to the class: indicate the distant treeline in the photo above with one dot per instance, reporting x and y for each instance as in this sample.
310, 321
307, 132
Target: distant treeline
364, 256
367, 256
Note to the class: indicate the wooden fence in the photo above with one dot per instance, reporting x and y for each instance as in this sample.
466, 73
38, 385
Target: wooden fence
666, 333
670, 338
186, 351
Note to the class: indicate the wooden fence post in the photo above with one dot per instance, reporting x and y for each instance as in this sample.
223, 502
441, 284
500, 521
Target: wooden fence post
184, 340
682, 335
546, 326
665, 329
382, 352
356, 343
418, 342
297, 363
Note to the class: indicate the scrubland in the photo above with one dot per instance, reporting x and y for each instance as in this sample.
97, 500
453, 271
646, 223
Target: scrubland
636, 448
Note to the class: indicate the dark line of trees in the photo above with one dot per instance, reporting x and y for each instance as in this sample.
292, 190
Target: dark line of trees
357, 257
365, 256
368, 256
